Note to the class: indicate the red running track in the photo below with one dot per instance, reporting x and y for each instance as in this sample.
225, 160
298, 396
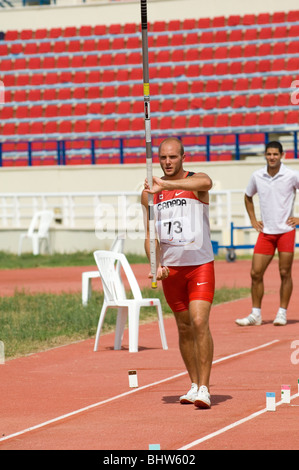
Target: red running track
73, 398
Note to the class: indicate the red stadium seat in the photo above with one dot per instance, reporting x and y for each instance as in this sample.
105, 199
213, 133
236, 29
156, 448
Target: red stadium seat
271, 82
239, 101
79, 126
159, 26
23, 128
69, 32
222, 120
85, 30
174, 25
64, 94
191, 38
221, 36
293, 15
181, 104
278, 118
208, 120
37, 128
54, 33
137, 124
268, 100
236, 120
59, 47
249, 19
95, 126
250, 119
65, 110
179, 122
94, 92
118, 43
65, 127
74, 46
109, 107
292, 117
165, 122
279, 48
80, 109
182, 87
283, 99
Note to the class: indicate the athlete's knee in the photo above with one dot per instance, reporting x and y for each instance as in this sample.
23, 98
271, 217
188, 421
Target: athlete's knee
200, 325
285, 273
256, 276
183, 324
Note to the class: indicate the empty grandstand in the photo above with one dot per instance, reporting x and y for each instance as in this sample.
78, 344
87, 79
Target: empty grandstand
74, 94
223, 77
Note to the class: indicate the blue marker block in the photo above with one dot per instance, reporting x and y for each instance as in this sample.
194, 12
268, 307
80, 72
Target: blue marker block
154, 447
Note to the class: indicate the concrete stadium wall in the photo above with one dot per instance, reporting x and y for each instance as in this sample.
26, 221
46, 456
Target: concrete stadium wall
110, 13
226, 175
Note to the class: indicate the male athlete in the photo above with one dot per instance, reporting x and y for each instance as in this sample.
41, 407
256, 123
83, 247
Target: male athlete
276, 187
185, 261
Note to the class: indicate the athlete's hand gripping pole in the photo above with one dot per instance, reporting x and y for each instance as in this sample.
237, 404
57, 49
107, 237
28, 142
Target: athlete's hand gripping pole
148, 141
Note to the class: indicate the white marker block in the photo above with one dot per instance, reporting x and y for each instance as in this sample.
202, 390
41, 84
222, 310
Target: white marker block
270, 401
286, 393
133, 382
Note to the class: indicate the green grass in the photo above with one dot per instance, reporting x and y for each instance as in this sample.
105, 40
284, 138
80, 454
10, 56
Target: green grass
32, 323
80, 258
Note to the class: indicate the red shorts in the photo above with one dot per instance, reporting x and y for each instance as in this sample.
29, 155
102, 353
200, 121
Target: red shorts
186, 283
267, 243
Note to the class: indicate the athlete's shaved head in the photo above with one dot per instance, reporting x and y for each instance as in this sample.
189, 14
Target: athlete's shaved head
173, 139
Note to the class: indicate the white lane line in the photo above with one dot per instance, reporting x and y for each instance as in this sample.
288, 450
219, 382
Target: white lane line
246, 352
116, 397
233, 425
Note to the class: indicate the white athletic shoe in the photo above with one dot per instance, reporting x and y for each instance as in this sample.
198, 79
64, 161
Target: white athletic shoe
203, 399
281, 319
190, 396
252, 319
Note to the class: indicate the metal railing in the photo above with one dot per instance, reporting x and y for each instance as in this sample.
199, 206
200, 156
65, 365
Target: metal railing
84, 209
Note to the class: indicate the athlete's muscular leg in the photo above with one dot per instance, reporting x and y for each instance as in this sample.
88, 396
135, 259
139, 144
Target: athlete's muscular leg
203, 341
285, 271
259, 265
186, 343
195, 341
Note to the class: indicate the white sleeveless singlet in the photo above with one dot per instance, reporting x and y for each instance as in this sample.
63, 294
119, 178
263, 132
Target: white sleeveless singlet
183, 229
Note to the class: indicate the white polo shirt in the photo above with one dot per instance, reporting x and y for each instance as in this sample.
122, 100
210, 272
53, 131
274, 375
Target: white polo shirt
276, 196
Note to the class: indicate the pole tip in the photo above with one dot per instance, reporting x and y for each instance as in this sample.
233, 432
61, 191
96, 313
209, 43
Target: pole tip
154, 285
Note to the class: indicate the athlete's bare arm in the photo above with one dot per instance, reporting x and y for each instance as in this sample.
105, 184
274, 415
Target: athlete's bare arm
258, 225
199, 183
162, 271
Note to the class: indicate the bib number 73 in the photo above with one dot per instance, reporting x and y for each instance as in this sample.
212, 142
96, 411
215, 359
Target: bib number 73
173, 226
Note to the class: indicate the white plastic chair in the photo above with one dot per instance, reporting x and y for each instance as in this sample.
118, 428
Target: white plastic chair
38, 231
115, 296
117, 246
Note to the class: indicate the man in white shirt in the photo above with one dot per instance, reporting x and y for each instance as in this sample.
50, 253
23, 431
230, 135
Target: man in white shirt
276, 187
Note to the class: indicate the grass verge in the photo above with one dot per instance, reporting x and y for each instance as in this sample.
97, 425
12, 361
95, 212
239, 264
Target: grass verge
32, 323
80, 258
